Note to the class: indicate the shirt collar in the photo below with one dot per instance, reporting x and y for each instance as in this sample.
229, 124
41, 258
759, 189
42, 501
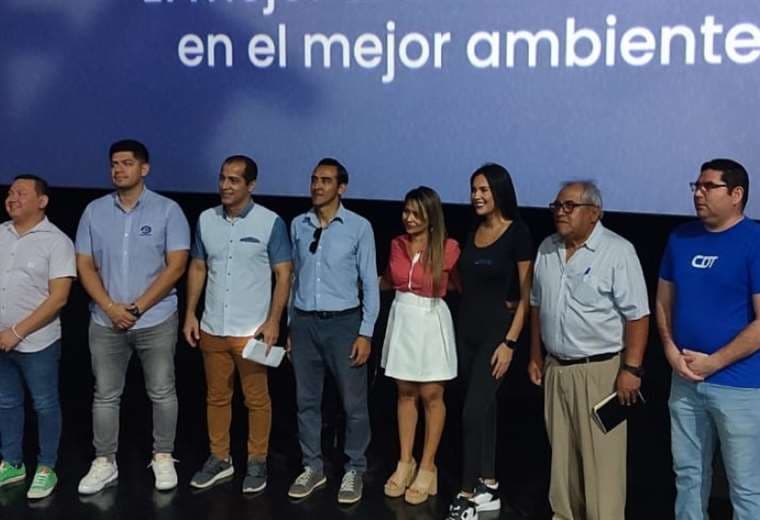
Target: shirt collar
313, 219
41, 226
591, 243
243, 213
140, 199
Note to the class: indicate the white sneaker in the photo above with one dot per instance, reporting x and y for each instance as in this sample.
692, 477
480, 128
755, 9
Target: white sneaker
163, 470
102, 473
486, 496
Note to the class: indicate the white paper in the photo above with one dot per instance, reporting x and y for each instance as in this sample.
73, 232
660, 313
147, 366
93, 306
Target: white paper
255, 350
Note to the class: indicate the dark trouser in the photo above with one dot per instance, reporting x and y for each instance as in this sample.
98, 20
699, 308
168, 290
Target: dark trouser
320, 343
480, 414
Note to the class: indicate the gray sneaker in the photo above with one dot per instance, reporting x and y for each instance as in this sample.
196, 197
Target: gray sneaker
306, 483
351, 486
256, 477
212, 472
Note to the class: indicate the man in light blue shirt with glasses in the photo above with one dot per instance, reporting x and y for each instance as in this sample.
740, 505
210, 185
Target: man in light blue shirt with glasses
132, 248
335, 303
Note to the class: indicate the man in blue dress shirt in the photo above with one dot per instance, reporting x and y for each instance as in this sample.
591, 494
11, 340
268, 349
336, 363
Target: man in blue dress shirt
132, 247
334, 305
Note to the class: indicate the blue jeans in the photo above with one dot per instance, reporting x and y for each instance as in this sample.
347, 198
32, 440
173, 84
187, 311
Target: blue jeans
110, 351
39, 370
703, 415
320, 344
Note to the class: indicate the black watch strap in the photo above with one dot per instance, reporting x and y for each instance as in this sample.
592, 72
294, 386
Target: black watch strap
510, 343
636, 371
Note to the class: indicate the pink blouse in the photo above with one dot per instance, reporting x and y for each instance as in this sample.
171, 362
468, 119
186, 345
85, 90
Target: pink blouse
409, 274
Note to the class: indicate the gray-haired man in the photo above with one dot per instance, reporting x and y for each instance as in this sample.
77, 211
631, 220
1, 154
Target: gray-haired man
590, 310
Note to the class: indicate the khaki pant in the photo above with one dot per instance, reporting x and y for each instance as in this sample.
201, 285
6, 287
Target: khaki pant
588, 470
221, 355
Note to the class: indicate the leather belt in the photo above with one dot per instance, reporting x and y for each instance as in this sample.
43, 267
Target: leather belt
326, 315
586, 360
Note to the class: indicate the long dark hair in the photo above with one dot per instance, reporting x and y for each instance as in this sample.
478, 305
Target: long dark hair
500, 182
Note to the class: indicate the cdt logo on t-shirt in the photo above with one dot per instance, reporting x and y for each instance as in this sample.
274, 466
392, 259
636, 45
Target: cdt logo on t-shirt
703, 262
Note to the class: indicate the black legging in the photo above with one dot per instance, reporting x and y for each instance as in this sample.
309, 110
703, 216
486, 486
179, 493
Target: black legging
477, 342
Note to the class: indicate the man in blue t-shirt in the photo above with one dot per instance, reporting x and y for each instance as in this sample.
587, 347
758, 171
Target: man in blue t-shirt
708, 310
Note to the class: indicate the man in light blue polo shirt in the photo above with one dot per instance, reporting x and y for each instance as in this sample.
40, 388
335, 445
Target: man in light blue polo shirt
131, 249
238, 245
335, 304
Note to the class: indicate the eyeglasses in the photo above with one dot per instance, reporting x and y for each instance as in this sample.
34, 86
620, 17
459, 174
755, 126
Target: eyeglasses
706, 186
315, 243
567, 206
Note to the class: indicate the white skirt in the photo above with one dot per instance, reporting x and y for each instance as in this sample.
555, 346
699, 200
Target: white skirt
419, 341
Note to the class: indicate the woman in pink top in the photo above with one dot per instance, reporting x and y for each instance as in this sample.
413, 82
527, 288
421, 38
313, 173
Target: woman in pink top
419, 350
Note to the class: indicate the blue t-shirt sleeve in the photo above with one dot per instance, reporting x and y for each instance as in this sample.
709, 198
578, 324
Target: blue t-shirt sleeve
83, 239
198, 250
278, 247
177, 229
666, 265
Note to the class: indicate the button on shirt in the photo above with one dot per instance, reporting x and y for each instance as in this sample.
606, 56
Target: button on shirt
344, 262
27, 263
585, 302
239, 254
129, 249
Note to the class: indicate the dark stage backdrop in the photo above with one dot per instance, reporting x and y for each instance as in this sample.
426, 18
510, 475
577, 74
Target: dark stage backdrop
523, 452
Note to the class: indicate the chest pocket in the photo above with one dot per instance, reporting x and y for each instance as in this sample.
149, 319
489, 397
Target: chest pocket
590, 290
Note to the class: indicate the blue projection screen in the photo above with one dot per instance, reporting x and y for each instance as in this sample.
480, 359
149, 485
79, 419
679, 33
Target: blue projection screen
635, 95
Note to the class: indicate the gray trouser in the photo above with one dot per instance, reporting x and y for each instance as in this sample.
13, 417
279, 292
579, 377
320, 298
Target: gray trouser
320, 344
111, 351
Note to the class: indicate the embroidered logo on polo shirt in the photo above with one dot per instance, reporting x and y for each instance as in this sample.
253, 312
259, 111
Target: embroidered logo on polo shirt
146, 231
703, 262
252, 240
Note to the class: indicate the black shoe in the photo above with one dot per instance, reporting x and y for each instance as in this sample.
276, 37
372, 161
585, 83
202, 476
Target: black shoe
462, 508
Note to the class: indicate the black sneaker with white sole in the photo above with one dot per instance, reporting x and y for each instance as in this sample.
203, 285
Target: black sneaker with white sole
486, 496
462, 508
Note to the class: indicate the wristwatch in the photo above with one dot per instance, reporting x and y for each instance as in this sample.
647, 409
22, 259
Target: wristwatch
134, 310
636, 371
510, 343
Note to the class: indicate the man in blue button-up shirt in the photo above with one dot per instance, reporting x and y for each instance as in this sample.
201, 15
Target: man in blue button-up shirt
238, 245
334, 307
131, 249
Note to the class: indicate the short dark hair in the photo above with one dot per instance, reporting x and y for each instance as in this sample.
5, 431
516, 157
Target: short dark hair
40, 184
342, 172
732, 173
500, 182
130, 145
250, 172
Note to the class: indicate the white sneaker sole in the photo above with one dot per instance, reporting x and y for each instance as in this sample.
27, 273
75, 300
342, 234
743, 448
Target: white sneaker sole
256, 489
493, 505
219, 476
92, 491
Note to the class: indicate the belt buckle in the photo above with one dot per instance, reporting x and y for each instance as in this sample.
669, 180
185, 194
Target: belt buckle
323, 315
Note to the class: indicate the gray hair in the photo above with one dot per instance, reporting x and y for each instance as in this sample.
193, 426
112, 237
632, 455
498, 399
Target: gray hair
591, 193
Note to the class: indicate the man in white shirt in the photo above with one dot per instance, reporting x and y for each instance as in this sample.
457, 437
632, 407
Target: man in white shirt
36, 269
591, 313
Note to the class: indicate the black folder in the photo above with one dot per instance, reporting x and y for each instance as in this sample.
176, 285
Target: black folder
608, 413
